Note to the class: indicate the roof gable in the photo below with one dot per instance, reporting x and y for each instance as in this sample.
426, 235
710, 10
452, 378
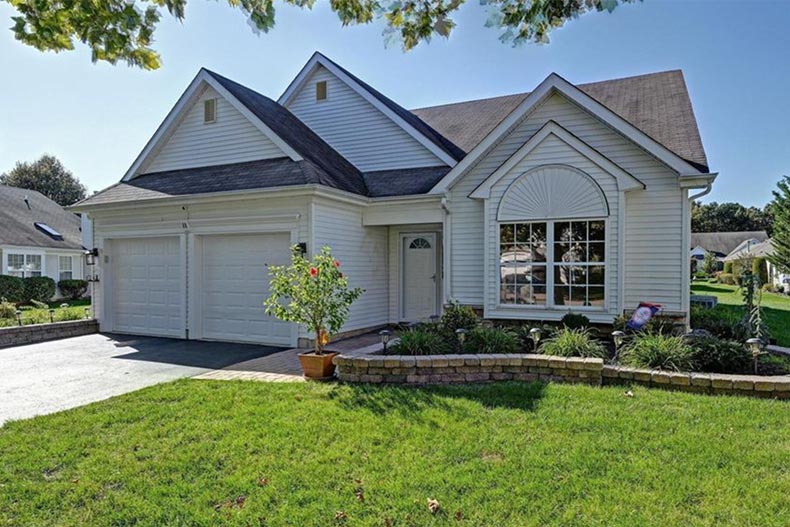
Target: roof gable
556, 84
411, 124
656, 103
625, 181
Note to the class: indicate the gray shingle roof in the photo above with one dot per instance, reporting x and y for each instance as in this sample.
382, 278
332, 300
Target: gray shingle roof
18, 220
204, 180
403, 182
723, 243
657, 103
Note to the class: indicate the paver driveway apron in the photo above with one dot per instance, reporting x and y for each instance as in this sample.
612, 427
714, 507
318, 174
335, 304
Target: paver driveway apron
52, 376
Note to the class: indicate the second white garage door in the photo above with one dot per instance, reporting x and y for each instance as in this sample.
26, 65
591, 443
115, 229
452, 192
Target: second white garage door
234, 282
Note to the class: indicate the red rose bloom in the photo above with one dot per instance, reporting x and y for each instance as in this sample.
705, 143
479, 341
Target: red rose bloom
313, 271
337, 263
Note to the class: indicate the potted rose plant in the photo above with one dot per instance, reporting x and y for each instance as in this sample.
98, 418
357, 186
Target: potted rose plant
314, 293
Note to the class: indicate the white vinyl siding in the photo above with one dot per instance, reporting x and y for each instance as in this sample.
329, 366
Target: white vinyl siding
230, 138
357, 129
362, 252
653, 233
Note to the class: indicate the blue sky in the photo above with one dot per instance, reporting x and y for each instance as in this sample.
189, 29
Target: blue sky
97, 117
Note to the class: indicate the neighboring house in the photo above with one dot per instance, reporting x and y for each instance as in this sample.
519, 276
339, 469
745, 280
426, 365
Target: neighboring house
720, 244
527, 206
38, 237
746, 252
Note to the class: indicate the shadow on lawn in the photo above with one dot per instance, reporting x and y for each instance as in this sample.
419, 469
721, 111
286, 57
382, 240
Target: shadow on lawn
710, 288
412, 401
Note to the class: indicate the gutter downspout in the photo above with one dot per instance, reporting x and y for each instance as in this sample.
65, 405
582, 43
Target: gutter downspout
446, 236
703, 192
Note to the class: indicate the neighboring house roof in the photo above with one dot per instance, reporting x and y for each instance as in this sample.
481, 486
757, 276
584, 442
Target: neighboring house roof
752, 250
18, 218
724, 243
656, 103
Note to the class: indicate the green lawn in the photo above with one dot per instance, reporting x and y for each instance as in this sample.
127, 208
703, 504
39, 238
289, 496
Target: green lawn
203, 453
776, 307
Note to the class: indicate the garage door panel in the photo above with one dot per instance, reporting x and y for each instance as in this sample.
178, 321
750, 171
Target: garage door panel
147, 286
235, 281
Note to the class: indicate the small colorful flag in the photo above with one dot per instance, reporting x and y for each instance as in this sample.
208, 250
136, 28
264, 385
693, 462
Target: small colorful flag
642, 315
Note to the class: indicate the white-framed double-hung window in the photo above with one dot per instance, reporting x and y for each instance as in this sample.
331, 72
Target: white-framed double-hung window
65, 269
23, 265
553, 264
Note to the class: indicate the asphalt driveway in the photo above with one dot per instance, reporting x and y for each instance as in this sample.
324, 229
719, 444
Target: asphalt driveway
52, 376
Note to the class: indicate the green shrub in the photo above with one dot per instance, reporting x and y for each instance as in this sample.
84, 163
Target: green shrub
12, 288
575, 321
7, 309
727, 268
721, 322
664, 352
73, 289
41, 288
419, 342
567, 342
69, 313
715, 355
727, 278
760, 269
36, 316
456, 316
700, 275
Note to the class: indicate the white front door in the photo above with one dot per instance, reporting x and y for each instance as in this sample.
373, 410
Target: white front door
234, 282
419, 276
148, 286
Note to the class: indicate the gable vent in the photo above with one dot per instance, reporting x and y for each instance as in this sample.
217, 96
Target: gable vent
320, 91
209, 111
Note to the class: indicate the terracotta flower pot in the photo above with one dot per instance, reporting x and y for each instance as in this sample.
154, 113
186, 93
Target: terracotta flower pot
317, 367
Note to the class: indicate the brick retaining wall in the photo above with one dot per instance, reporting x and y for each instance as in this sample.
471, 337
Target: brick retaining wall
446, 369
443, 369
19, 335
711, 383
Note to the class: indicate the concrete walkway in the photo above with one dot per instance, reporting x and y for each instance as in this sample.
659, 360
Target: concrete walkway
284, 366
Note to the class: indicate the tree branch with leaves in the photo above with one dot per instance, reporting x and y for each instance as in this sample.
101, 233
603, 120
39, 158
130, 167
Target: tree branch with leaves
123, 30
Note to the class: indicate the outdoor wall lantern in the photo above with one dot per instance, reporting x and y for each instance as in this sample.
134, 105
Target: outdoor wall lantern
18, 317
385, 337
755, 346
535, 333
90, 256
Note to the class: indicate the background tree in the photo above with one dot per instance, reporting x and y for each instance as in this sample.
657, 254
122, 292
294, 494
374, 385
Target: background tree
780, 207
124, 29
48, 176
730, 217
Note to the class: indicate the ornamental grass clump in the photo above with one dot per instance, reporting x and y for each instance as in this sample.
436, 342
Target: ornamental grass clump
313, 292
567, 342
659, 351
420, 341
491, 340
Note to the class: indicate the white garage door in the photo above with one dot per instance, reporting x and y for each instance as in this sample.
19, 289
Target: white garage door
234, 283
148, 286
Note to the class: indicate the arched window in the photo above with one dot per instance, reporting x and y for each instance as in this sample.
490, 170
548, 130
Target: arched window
552, 240
420, 243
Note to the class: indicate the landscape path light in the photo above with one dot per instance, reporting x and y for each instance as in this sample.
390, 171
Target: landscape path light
756, 347
535, 334
461, 334
385, 334
19, 317
51, 315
